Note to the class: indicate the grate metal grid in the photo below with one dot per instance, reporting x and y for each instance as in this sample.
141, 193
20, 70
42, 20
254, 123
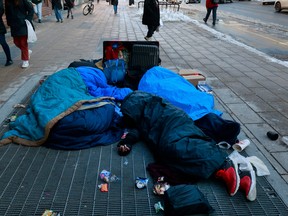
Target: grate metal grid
35, 179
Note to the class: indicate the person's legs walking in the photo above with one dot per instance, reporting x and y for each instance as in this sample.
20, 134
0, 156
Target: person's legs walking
60, 15
150, 32
6, 50
214, 15
39, 11
68, 12
56, 14
115, 9
71, 13
207, 15
21, 43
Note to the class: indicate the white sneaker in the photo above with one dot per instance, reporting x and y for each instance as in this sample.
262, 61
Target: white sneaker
25, 64
30, 52
148, 38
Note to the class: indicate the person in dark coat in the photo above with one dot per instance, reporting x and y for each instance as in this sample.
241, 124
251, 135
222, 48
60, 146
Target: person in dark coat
115, 5
17, 11
151, 17
70, 5
3, 42
175, 140
57, 7
211, 7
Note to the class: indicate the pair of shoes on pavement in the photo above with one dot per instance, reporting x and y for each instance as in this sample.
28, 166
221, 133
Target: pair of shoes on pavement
236, 179
148, 38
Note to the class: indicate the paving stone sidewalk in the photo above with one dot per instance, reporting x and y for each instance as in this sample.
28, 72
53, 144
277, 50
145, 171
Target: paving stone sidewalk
247, 86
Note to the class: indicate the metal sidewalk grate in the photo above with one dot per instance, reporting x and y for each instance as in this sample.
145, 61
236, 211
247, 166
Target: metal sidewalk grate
35, 179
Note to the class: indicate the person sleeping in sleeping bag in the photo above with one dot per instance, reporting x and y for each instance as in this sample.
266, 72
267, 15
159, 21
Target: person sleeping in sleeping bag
175, 140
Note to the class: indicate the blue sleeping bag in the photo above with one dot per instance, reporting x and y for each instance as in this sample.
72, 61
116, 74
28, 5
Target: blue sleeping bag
178, 91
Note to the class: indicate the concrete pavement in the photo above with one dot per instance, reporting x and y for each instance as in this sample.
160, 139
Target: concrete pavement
247, 86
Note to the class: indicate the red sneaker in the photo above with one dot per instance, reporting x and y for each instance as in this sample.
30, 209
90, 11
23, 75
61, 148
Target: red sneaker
229, 174
248, 184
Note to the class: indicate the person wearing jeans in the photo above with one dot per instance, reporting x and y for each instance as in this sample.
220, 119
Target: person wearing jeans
57, 7
210, 6
38, 9
115, 5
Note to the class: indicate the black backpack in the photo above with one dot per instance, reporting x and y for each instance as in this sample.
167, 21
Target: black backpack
185, 199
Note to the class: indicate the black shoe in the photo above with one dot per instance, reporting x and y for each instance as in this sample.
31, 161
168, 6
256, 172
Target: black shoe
204, 20
61, 21
67, 16
213, 23
72, 17
39, 21
9, 62
57, 21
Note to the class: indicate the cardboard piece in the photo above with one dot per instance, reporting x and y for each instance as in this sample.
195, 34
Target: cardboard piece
193, 76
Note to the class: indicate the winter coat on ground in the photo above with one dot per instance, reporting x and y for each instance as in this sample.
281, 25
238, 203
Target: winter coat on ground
16, 15
209, 4
151, 13
2, 26
57, 4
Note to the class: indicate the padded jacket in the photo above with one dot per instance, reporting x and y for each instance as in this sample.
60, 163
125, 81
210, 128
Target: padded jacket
209, 4
16, 16
171, 135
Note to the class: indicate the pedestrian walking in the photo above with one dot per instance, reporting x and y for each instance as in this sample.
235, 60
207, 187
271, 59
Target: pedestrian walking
38, 9
211, 6
151, 17
70, 5
16, 13
115, 5
57, 7
3, 42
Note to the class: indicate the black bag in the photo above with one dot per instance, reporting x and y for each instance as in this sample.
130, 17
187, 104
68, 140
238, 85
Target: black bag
115, 70
215, 1
185, 199
65, 6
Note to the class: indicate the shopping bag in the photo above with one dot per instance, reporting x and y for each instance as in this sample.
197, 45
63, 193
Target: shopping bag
31, 33
115, 70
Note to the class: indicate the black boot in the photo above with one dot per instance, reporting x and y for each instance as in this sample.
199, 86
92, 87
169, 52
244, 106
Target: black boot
9, 62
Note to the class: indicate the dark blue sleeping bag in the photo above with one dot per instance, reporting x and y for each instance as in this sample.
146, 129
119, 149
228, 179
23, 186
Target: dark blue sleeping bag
86, 128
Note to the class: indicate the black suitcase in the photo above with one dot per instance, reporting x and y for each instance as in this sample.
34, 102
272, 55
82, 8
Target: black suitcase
144, 56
